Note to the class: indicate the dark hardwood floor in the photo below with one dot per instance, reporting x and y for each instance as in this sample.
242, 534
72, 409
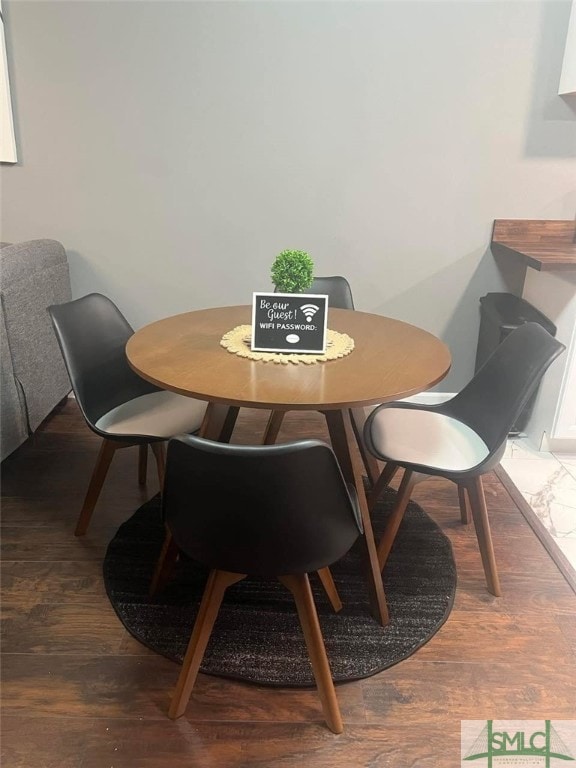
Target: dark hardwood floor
79, 692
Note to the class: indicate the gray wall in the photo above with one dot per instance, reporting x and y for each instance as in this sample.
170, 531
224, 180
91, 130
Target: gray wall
176, 148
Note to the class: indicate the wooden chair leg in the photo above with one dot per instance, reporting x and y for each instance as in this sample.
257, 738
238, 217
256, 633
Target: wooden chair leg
404, 493
464, 505
164, 565
300, 588
107, 450
483, 534
218, 582
159, 451
325, 576
142, 463
383, 482
273, 427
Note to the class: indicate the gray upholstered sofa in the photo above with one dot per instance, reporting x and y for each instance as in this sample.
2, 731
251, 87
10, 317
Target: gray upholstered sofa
33, 275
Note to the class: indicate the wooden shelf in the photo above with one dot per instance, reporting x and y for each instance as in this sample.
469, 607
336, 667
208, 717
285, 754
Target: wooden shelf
544, 245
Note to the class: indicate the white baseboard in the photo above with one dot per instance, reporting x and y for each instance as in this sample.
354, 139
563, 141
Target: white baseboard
561, 445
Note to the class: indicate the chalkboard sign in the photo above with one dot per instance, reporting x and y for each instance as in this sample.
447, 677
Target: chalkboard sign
289, 322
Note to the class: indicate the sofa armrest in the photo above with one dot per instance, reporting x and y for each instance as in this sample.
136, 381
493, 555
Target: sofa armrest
34, 275
13, 421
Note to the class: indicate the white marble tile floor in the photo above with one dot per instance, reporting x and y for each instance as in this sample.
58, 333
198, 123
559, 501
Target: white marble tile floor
547, 481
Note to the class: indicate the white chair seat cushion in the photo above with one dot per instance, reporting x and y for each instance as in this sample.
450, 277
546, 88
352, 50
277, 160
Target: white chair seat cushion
158, 414
424, 437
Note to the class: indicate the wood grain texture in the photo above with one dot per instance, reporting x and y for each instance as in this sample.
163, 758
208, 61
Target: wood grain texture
391, 359
542, 244
79, 692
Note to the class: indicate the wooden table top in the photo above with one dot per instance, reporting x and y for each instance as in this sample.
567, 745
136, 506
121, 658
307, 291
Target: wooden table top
391, 360
543, 245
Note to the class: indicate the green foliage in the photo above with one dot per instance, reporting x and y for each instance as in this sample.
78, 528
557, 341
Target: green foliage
292, 271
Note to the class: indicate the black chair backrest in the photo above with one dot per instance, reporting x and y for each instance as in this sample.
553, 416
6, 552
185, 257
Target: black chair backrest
92, 334
337, 288
492, 401
262, 510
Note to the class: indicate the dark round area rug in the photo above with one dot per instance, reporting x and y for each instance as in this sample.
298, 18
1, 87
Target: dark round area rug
257, 636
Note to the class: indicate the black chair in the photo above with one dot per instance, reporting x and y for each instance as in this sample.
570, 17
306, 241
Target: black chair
337, 289
116, 403
463, 438
339, 294
273, 511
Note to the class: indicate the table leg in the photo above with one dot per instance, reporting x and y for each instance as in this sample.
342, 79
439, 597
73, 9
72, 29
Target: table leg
373, 469
218, 423
344, 445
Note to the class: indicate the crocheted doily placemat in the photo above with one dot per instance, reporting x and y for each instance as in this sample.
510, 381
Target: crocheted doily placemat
238, 342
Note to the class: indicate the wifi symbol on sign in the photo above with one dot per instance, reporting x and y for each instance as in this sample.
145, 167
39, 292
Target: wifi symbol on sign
309, 311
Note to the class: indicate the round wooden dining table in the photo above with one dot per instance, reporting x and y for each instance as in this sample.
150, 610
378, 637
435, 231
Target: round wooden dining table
391, 360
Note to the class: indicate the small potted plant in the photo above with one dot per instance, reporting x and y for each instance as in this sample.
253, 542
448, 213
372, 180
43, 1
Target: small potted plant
292, 272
